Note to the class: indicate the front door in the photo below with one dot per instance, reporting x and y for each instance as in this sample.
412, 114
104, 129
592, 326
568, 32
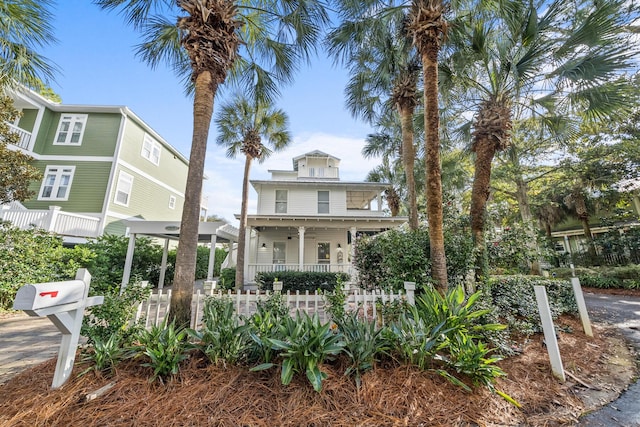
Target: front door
324, 254
279, 255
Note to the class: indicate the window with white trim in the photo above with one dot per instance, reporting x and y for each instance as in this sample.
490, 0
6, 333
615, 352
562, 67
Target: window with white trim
172, 202
323, 202
281, 201
70, 129
56, 183
151, 150
123, 189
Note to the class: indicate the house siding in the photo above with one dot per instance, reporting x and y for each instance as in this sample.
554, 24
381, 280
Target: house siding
87, 191
302, 200
171, 169
148, 200
28, 119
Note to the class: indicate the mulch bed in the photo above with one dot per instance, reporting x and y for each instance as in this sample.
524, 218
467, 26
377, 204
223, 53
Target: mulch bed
205, 395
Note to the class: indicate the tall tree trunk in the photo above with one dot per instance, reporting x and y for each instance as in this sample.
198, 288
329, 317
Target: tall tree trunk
240, 261
185, 272
583, 215
433, 166
522, 196
408, 159
485, 151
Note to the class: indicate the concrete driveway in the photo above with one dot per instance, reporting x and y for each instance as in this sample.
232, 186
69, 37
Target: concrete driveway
623, 312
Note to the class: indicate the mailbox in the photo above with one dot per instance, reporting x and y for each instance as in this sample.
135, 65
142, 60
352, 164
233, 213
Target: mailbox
45, 295
63, 303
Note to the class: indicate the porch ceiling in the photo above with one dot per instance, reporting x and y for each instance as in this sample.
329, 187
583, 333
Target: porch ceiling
171, 230
360, 199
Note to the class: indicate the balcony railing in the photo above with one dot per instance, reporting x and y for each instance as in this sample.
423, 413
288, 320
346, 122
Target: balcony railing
54, 220
24, 137
319, 268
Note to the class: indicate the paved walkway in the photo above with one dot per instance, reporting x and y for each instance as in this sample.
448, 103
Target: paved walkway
25, 342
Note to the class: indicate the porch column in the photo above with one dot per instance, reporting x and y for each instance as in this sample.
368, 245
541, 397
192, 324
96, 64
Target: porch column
301, 248
163, 264
567, 244
212, 256
128, 262
379, 202
247, 243
352, 251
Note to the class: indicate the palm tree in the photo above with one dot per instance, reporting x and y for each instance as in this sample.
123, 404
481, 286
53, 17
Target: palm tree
502, 59
426, 27
385, 71
204, 44
25, 27
242, 126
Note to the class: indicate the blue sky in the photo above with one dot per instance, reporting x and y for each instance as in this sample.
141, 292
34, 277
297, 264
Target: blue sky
95, 55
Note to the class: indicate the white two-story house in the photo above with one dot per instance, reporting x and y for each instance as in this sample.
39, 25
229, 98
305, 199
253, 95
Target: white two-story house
307, 218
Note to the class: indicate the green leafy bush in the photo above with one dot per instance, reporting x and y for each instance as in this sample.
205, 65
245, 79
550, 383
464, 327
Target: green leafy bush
164, 347
222, 339
34, 256
202, 262
263, 325
387, 260
227, 278
115, 315
364, 344
307, 344
301, 280
104, 356
514, 300
110, 252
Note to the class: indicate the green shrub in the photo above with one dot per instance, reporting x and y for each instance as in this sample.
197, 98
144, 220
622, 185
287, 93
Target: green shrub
110, 252
264, 325
307, 344
301, 280
202, 262
227, 278
514, 300
387, 260
222, 339
164, 346
105, 355
115, 315
34, 256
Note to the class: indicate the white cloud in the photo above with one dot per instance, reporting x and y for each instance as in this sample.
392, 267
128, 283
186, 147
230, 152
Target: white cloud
224, 184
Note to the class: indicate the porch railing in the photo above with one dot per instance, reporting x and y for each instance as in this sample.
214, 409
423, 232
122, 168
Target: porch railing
54, 220
24, 137
318, 268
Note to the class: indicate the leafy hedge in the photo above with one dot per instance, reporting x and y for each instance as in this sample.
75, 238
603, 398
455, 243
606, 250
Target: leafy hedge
34, 256
621, 277
301, 280
389, 259
514, 300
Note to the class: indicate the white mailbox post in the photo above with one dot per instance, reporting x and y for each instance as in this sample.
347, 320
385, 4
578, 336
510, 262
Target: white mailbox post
63, 303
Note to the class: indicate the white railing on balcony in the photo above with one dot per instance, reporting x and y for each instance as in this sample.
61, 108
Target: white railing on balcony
54, 220
24, 136
319, 268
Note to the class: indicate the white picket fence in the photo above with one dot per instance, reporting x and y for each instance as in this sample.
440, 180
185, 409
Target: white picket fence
154, 310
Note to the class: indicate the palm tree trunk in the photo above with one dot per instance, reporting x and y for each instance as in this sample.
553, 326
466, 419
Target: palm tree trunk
522, 196
432, 163
240, 261
408, 158
485, 151
185, 272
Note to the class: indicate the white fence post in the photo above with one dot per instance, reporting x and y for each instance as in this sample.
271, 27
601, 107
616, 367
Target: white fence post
582, 307
549, 332
410, 288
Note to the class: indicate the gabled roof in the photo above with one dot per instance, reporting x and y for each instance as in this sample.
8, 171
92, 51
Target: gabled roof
314, 153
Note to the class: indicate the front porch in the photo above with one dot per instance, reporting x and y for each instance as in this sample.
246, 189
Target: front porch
313, 244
